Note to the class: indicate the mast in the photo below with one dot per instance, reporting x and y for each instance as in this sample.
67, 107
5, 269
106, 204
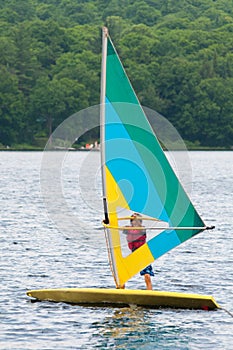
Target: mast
102, 148
102, 117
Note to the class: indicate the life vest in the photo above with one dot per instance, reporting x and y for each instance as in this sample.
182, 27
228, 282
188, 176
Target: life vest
135, 238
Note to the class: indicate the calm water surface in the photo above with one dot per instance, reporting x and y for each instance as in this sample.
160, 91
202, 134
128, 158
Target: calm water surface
35, 253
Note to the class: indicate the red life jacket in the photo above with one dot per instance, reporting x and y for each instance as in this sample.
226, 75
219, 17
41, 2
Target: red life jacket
135, 238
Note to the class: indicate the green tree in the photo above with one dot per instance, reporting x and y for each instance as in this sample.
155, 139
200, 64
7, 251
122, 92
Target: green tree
12, 109
48, 41
8, 52
141, 12
52, 101
215, 111
26, 64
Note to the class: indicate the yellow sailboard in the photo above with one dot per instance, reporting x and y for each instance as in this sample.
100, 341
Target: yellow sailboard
125, 297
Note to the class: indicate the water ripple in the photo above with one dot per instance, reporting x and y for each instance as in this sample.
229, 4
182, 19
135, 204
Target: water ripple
34, 254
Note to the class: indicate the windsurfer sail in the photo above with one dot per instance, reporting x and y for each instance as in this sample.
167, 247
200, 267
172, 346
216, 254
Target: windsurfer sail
136, 175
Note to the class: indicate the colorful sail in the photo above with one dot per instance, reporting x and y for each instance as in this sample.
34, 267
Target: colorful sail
137, 176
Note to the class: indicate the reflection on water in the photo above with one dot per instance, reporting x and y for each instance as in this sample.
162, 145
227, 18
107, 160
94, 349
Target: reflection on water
122, 324
149, 329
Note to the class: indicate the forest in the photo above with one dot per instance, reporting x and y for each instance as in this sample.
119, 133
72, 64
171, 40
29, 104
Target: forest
177, 54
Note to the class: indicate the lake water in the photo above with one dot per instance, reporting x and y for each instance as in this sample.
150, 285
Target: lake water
38, 251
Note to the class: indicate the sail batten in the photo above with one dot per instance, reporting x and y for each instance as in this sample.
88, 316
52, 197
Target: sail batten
137, 175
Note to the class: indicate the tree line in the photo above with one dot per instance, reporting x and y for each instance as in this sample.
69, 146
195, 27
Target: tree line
177, 54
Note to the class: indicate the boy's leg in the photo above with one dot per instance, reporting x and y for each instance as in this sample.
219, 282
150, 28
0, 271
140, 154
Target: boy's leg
148, 281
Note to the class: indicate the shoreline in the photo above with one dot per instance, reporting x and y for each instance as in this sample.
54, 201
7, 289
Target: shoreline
38, 149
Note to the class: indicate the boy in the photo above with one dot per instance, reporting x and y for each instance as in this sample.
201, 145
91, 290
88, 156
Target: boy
136, 238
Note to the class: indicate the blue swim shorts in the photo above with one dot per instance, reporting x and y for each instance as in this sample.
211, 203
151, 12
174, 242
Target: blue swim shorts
148, 270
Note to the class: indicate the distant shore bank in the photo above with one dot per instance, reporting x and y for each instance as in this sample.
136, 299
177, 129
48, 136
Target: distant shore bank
39, 149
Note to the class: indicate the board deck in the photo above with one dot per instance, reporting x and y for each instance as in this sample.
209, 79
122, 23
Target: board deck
125, 297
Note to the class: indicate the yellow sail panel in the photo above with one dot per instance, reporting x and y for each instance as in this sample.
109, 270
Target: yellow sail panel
124, 267
114, 195
129, 266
